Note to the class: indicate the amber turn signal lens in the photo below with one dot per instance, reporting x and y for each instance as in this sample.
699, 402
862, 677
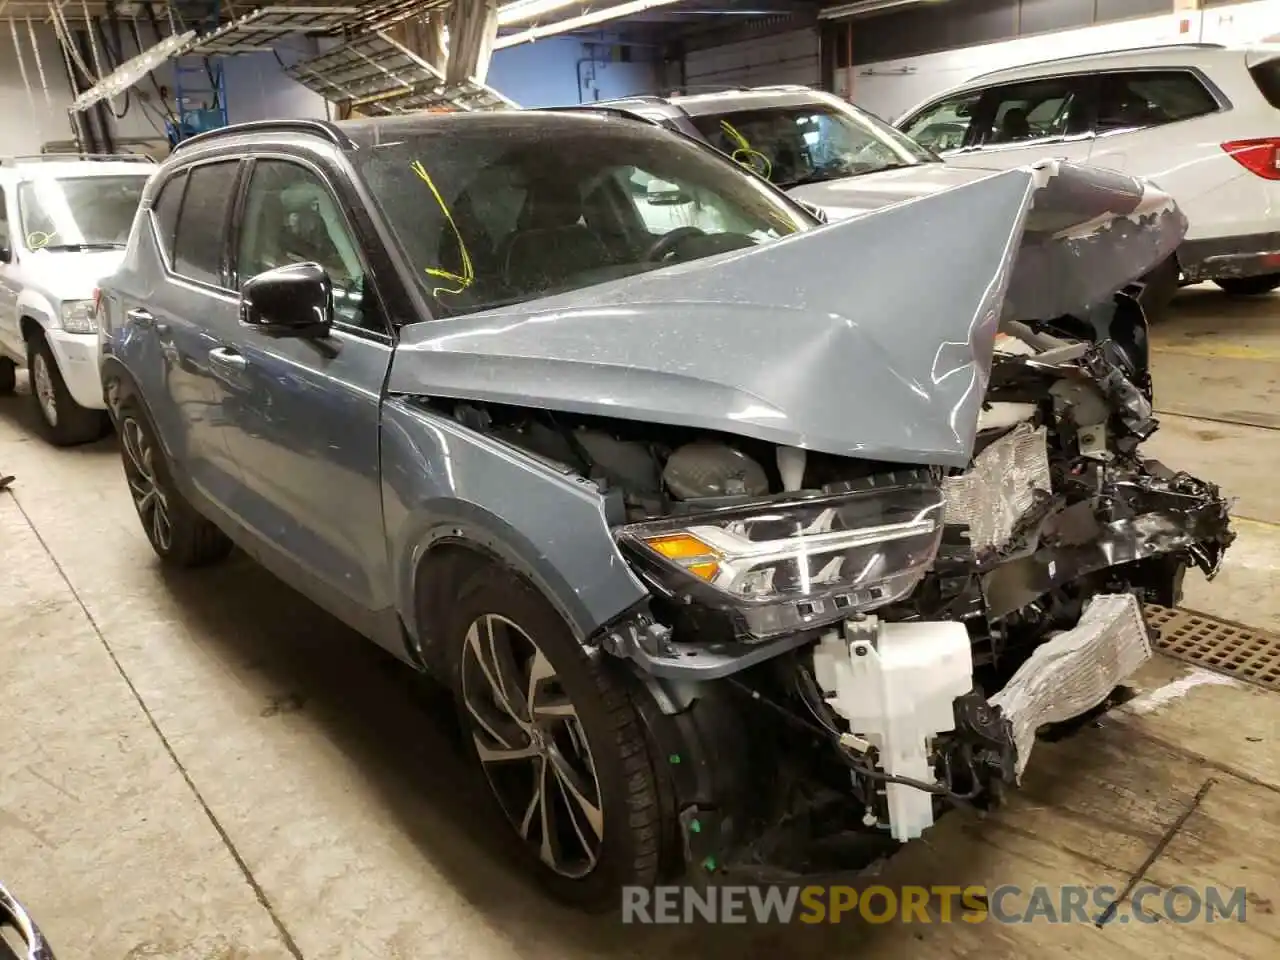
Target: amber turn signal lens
688, 551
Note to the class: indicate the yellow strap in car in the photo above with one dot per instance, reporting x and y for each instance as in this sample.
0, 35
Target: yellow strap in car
468, 276
744, 148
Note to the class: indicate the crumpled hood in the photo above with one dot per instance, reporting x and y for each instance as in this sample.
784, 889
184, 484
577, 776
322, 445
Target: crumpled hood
71, 274
872, 337
853, 196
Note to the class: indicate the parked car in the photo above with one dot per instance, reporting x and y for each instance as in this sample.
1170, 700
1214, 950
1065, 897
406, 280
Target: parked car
1200, 120
805, 142
714, 532
20, 938
63, 225
837, 160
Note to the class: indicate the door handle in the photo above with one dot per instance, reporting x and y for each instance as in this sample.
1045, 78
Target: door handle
140, 317
228, 359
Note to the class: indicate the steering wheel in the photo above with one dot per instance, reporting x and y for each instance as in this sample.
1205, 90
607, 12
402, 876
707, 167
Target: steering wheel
665, 245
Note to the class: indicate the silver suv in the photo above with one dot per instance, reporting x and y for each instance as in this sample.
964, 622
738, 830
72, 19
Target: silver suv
717, 531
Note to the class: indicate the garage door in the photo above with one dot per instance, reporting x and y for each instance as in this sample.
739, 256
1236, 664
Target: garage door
790, 57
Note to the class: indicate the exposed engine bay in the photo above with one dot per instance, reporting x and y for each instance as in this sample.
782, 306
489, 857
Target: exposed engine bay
913, 625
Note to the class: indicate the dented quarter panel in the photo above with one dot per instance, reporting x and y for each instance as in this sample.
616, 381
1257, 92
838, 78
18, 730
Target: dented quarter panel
871, 337
444, 483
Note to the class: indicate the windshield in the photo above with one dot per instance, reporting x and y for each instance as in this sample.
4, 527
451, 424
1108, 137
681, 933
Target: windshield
506, 207
74, 213
809, 143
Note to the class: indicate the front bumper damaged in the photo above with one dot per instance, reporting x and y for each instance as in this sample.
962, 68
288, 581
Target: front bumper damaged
1075, 671
902, 685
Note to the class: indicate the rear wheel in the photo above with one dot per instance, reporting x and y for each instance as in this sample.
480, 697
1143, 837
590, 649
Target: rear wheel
558, 739
179, 535
8, 375
63, 421
1249, 286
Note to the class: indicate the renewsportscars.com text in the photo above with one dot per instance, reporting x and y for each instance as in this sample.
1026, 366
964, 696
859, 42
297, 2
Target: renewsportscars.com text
1008, 904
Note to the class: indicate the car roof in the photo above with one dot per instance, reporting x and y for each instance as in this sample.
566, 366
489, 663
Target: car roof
15, 169
369, 131
1202, 55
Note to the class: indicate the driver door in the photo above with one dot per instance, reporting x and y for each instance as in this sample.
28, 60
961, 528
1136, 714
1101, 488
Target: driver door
305, 412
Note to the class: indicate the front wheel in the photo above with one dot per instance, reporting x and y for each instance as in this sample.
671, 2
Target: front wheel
558, 739
1249, 286
179, 535
63, 421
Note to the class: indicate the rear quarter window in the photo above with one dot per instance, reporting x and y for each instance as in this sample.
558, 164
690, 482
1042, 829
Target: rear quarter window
1267, 77
1149, 98
165, 212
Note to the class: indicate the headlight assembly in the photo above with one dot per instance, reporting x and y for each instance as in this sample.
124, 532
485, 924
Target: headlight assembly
791, 563
79, 316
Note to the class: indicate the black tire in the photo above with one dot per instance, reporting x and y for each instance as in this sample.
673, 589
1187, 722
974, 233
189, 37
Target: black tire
180, 536
1249, 286
617, 756
63, 422
8, 376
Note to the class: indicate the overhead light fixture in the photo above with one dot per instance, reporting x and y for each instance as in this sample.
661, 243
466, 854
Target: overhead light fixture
573, 23
864, 7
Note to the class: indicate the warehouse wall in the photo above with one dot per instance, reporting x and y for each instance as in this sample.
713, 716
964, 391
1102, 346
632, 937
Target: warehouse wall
565, 70
256, 89
787, 57
891, 86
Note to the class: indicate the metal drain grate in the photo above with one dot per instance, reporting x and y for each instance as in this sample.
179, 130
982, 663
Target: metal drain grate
1231, 648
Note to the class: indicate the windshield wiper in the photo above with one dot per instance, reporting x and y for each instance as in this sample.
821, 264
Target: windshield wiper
96, 245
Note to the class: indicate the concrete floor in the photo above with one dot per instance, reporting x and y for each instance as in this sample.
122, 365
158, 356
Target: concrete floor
207, 766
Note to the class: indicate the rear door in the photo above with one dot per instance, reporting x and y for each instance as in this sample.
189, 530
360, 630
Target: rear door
305, 413
1015, 124
1172, 125
171, 303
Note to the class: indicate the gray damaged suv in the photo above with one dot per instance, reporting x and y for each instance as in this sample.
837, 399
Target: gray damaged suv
732, 537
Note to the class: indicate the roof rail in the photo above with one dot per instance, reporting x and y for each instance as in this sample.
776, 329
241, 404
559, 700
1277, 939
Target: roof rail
63, 157
1149, 48
321, 128
607, 107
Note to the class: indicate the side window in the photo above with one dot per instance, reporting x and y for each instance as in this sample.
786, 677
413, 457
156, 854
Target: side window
291, 217
1148, 98
198, 243
4, 223
165, 212
945, 124
1033, 110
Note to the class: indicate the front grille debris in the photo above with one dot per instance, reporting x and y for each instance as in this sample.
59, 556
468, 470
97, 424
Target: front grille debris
1230, 648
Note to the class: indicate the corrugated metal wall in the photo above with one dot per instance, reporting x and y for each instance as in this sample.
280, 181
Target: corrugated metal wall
788, 57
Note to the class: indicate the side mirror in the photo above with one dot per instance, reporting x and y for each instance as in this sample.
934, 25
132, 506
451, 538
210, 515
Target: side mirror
291, 301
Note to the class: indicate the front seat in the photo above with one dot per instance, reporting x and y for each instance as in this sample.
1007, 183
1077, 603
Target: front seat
1015, 125
551, 243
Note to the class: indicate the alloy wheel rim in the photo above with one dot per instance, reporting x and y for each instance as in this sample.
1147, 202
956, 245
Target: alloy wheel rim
148, 498
44, 389
532, 746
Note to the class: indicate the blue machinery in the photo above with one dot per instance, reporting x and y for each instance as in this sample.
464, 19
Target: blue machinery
199, 82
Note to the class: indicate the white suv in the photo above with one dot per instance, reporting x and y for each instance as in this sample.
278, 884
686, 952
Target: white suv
64, 223
1199, 120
